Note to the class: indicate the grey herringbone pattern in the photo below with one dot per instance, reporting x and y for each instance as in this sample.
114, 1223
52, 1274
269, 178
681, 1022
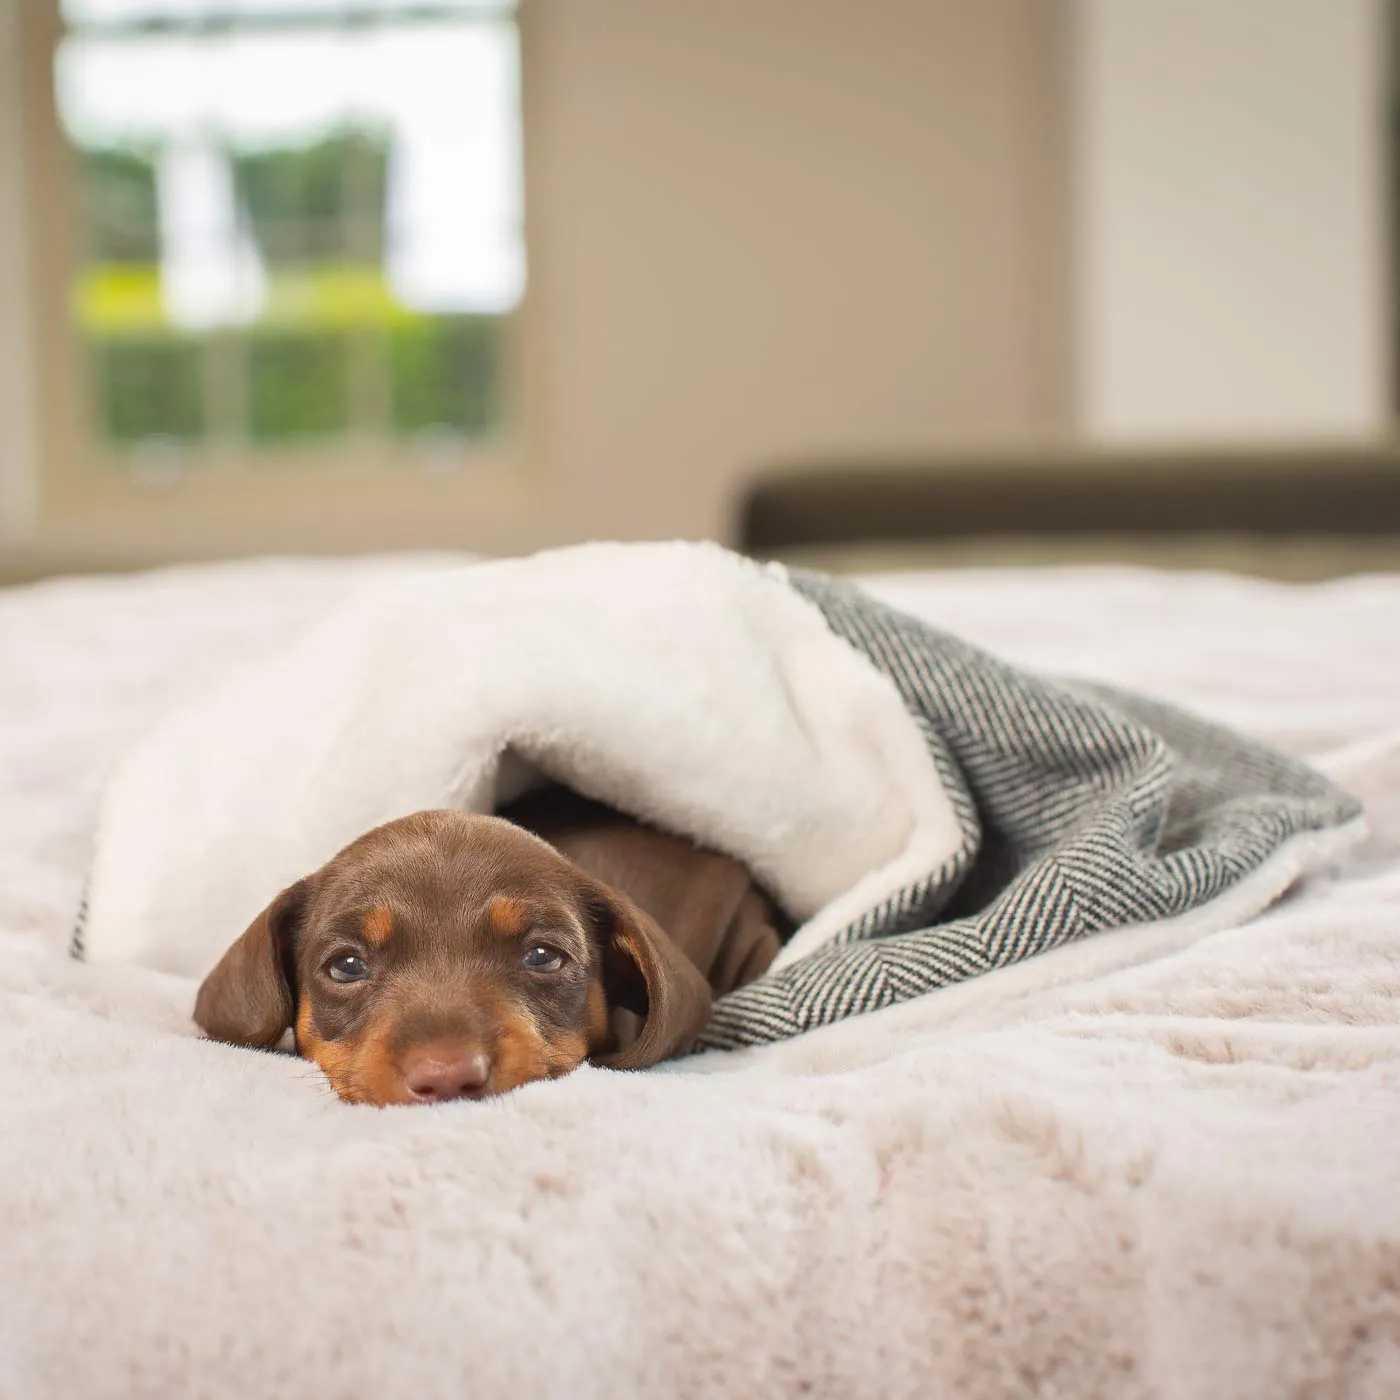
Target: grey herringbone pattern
1081, 809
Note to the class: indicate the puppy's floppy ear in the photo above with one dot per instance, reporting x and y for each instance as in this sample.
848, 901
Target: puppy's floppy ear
645, 973
247, 999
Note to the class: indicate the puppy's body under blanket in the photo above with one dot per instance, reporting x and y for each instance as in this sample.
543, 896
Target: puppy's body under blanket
923, 810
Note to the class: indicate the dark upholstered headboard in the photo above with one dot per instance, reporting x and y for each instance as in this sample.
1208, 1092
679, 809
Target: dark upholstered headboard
1297, 513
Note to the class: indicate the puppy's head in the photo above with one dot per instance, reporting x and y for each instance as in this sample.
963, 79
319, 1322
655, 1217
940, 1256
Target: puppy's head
451, 956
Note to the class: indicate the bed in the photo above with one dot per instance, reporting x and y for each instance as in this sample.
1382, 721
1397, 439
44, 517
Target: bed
1146, 1164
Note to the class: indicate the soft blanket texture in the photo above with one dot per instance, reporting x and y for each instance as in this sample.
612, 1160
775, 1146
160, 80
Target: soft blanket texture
677, 683
1148, 1164
927, 811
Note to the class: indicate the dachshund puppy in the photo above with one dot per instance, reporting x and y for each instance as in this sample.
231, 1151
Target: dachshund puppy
449, 956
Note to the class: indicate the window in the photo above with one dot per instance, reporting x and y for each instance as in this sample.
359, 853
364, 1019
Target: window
298, 232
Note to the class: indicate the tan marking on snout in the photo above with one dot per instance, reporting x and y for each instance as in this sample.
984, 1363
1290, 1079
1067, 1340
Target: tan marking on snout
525, 1053
361, 1068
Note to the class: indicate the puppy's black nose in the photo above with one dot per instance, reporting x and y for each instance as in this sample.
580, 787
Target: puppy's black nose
433, 1075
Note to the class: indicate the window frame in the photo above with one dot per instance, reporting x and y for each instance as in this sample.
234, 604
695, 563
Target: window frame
345, 493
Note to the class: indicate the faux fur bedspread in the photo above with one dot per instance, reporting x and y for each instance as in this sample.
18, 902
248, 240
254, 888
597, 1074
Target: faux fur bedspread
1152, 1163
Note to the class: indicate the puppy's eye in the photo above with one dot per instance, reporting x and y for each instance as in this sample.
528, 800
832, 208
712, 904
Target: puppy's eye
347, 968
542, 958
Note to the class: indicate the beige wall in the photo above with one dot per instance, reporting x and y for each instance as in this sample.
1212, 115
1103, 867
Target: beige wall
1232, 199
766, 229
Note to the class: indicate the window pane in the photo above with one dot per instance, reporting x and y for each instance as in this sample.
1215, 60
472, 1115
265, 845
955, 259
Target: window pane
339, 205
430, 362
298, 384
121, 188
150, 388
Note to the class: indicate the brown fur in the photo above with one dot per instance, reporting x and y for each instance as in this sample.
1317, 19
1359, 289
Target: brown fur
444, 908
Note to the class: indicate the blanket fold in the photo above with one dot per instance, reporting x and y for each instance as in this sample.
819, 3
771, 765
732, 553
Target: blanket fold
926, 811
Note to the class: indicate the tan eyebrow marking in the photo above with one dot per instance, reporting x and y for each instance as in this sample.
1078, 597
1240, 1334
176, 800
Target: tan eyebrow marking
508, 917
377, 925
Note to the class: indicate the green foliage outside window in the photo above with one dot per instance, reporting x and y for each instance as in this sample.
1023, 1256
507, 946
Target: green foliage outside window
321, 202
150, 387
443, 373
298, 385
316, 212
121, 206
